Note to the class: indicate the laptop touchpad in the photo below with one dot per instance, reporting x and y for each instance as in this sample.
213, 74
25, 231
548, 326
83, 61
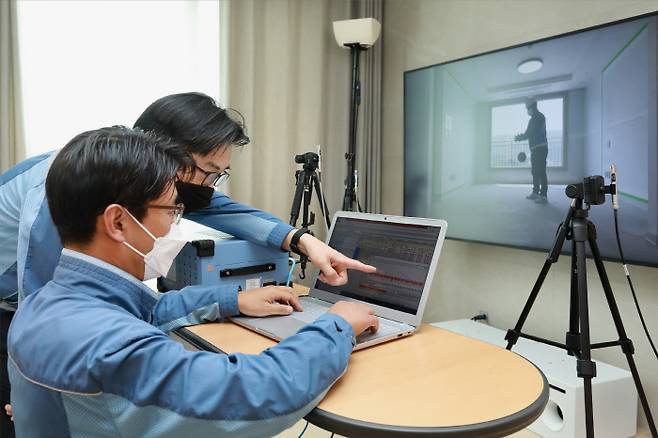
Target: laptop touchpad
280, 326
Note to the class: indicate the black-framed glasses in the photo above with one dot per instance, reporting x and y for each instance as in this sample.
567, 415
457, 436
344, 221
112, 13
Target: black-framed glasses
214, 179
177, 211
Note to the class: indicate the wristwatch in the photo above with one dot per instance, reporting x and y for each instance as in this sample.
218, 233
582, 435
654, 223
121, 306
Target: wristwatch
295, 240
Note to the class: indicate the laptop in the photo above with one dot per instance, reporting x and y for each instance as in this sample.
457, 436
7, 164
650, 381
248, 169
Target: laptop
405, 251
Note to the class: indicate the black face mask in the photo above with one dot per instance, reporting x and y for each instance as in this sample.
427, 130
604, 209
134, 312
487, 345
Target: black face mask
194, 196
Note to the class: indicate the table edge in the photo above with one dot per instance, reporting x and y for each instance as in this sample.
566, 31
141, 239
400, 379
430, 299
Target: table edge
493, 428
197, 341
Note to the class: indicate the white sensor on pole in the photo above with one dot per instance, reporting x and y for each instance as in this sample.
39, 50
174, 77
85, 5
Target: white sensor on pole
363, 31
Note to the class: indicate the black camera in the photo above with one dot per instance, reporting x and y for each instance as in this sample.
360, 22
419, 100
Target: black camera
310, 160
592, 190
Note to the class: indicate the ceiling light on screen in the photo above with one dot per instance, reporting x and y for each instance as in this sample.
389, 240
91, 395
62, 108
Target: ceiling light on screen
530, 66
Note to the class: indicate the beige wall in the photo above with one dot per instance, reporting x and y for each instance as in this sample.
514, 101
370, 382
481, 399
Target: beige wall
475, 277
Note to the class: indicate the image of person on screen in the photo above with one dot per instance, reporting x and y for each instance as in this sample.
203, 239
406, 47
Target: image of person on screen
535, 133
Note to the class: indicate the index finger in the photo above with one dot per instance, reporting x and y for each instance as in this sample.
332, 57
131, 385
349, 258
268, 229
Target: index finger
357, 265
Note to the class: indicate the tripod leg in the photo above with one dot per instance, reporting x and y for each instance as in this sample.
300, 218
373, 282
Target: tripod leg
513, 335
297, 199
307, 219
573, 335
315, 181
626, 344
585, 367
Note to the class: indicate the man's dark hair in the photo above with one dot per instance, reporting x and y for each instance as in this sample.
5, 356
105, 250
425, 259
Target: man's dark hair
195, 121
106, 166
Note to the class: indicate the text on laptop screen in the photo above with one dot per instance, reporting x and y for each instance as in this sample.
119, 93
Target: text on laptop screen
402, 254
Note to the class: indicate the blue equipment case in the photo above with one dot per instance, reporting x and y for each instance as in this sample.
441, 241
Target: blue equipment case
213, 257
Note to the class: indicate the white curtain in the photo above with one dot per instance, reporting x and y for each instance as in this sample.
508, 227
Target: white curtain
291, 80
12, 148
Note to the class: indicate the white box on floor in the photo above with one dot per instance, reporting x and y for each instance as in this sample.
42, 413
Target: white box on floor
614, 397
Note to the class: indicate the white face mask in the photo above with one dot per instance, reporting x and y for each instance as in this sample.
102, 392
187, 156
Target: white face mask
165, 249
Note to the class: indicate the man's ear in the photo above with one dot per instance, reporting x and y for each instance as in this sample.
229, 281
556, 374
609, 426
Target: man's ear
114, 222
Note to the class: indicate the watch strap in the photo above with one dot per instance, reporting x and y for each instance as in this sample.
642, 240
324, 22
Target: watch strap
294, 241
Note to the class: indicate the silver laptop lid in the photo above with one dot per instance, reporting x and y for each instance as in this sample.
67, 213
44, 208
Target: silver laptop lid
405, 251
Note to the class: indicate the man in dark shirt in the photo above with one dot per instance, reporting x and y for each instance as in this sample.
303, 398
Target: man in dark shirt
536, 136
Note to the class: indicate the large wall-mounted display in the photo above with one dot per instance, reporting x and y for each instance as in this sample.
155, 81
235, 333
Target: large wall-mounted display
491, 141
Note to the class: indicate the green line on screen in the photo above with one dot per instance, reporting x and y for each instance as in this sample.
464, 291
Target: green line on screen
633, 197
625, 47
633, 38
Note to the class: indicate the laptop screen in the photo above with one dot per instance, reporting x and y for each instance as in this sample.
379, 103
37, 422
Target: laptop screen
402, 254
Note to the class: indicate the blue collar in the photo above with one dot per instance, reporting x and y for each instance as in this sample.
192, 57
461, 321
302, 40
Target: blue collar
94, 277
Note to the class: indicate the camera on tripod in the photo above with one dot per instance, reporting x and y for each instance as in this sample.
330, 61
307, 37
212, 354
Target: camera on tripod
310, 160
592, 190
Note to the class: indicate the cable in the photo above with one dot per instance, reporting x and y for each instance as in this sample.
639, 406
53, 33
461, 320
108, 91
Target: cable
323, 201
630, 283
292, 269
480, 317
356, 191
303, 430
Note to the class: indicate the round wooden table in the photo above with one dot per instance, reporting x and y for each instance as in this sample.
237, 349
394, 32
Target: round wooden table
433, 383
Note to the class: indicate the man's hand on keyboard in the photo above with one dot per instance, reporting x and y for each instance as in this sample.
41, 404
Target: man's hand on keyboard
359, 316
269, 300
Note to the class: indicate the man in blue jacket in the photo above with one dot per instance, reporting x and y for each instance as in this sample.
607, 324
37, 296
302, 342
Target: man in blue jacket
83, 351
30, 246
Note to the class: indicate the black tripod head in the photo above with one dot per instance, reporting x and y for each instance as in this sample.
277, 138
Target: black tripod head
591, 191
310, 161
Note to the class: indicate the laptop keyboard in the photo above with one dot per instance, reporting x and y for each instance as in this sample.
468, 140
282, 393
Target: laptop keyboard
313, 310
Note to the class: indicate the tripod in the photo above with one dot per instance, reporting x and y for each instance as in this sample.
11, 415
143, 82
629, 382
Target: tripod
349, 198
577, 228
307, 180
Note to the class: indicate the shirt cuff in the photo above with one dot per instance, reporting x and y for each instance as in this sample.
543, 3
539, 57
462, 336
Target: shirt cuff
279, 234
228, 304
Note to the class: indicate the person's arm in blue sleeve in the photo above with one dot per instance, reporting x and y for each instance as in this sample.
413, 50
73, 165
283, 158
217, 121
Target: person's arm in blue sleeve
242, 221
37, 245
197, 304
194, 305
166, 388
15, 183
12, 192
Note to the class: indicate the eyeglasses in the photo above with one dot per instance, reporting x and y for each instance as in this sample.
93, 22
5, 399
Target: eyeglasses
175, 210
214, 179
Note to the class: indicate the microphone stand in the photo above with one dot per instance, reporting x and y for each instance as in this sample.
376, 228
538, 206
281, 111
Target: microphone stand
349, 197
